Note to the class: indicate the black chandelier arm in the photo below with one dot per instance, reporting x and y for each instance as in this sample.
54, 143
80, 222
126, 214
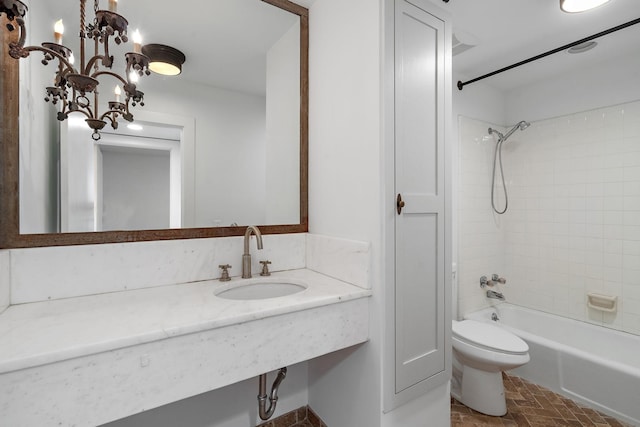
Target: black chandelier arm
84, 110
107, 60
68, 68
91, 63
109, 73
113, 120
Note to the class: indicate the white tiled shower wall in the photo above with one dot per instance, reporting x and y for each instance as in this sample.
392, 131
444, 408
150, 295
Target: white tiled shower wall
480, 249
573, 224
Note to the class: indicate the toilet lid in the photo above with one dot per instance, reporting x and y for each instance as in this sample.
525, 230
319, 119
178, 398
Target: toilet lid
489, 336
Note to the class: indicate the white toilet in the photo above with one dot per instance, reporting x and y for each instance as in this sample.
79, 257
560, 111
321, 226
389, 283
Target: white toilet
481, 352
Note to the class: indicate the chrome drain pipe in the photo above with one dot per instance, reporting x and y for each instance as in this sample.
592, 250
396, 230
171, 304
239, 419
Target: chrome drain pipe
265, 414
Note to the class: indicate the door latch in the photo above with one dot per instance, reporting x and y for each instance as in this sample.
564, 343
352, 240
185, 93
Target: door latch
399, 203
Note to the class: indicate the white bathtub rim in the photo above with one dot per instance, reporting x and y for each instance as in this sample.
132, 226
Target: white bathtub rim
621, 366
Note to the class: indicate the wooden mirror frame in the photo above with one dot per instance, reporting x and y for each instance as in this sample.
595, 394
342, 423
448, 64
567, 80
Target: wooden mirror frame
10, 236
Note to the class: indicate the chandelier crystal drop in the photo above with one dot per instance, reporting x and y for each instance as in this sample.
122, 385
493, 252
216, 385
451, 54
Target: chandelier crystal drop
75, 90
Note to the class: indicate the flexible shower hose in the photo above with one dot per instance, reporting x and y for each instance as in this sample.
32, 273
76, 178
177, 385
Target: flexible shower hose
497, 155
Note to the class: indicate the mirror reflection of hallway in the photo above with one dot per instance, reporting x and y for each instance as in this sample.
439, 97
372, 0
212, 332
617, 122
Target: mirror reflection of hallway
129, 180
133, 188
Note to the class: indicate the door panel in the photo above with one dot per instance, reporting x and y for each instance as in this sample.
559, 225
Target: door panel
419, 173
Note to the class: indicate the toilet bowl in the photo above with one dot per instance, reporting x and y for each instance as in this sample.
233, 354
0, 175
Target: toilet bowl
481, 352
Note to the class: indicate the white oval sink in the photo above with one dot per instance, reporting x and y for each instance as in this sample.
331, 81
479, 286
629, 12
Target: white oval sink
260, 290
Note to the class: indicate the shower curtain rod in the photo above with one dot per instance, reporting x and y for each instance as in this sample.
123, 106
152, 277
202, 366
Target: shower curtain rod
542, 55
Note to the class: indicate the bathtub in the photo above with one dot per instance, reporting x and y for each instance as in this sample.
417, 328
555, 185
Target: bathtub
590, 364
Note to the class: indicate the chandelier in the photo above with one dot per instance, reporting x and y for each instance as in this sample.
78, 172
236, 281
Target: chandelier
76, 89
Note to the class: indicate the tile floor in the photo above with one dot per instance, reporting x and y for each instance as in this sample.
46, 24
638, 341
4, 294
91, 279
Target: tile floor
533, 406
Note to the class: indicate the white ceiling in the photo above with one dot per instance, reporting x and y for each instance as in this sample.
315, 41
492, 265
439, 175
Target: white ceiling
225, 40
509, 31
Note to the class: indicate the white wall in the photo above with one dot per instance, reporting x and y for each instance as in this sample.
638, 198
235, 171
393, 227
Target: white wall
600, 85
345, 187
429, 410
283, 130
479, 101
230, 147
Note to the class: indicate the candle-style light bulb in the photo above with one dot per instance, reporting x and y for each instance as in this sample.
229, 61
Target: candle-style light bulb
134, 77
72, 59
58, 31
113, 5
118, 92
137, 41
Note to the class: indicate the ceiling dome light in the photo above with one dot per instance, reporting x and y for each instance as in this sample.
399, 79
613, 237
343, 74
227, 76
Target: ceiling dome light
163, 59
574, 6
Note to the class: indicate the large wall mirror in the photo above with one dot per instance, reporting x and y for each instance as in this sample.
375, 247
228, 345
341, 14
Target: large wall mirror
221, 146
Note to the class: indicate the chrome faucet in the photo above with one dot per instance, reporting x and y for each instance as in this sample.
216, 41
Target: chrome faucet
246, 256
495, 295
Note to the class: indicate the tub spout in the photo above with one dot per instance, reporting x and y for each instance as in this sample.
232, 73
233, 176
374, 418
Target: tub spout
495, 295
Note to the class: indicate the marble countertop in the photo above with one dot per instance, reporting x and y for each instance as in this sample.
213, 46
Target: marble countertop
47, 332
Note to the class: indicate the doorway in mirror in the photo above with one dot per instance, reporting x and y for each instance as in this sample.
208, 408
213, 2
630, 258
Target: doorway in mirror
129, 180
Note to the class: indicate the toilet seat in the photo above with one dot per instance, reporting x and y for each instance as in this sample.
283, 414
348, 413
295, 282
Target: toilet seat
489, 337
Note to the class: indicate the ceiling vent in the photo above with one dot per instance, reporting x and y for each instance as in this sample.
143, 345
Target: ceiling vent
460, 46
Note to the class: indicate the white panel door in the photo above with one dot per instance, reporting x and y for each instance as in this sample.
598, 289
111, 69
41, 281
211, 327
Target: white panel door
420, 180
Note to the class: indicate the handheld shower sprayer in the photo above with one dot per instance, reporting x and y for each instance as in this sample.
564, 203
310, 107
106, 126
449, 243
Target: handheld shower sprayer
502, 138
497, 155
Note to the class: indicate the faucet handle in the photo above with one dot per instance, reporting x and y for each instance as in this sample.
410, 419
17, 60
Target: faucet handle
224, 277
265, 268
497, 279
484, 282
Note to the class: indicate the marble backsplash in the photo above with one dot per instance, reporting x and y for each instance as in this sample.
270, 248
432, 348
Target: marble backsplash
5, 280
40, 274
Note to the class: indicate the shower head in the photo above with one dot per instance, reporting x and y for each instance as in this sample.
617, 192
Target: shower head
521, 125
497, 155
